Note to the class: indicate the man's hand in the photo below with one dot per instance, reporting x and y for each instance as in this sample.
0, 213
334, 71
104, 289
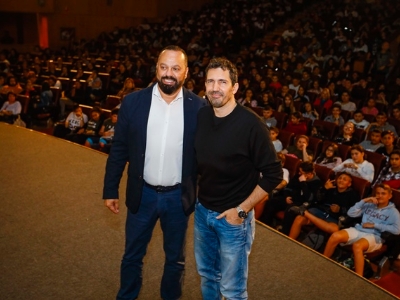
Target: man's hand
289, 200
112, 204
231, 216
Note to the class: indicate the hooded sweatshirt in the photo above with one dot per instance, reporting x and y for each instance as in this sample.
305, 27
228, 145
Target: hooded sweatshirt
385, 219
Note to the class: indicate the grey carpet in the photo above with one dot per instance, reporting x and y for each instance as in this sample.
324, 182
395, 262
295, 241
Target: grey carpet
58, 241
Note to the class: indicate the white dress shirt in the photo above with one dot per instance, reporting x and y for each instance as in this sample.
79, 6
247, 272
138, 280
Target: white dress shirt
164, 147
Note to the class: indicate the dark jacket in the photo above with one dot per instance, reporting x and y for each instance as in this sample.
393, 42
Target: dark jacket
129, 145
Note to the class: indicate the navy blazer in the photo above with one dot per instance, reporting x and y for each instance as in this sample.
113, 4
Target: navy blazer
129, 145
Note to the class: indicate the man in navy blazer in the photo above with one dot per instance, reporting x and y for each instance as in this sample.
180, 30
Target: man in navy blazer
155, 134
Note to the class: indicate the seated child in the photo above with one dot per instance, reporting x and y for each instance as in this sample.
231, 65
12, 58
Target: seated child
370, 109
335, 116
90, 129
334, 200
346, 136
303, 187
378, 215
268, 117
391, 174
357, 165
330, 157
296, 124
374, 141
358, 120
274, 132
318, 132
106, 132
299, 150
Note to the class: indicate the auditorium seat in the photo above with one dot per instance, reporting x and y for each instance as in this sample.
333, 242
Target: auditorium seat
112, 101
378, 160
56, 95
292, 165
343, 150
281, 119
369, 118
315, 145
24, 100
330, 129
286, 138
361, 186
257, 110
359, 134
324, 173
395, 123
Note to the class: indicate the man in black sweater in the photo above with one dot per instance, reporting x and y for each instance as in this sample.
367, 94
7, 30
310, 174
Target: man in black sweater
233, 147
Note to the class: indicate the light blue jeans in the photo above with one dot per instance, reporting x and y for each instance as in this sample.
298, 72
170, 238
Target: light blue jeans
222, 251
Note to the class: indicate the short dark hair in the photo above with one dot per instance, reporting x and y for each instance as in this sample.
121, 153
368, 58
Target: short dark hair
307, 166
274, 129
225, 65
358, 111
115, 111
397, 106
376, 130
396, 151
336, 106
344, 173
388, 132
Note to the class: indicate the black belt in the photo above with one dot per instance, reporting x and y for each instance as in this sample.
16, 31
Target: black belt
161, 188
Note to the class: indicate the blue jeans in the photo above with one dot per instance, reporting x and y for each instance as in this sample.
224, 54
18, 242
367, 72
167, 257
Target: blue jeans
222, 251
139, 227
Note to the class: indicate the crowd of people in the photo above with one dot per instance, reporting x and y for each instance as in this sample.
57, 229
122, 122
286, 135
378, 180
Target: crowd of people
332, 64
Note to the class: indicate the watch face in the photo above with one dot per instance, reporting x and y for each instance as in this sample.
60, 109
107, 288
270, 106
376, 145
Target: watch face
242, 214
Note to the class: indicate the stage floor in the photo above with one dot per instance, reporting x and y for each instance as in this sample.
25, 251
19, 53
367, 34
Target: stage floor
58, 241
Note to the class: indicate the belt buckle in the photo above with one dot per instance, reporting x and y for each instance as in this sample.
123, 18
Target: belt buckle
159, 189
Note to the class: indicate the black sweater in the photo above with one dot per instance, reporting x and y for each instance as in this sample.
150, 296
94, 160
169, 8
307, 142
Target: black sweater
344, 199
232, 152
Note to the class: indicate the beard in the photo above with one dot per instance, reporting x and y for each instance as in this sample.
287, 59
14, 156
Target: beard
169, 89
216, 102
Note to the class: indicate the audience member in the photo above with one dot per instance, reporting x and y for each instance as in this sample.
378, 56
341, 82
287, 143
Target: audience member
274, 132
345, 137
391, 174
288, 105
374, 141
387, 140
333, 201
378, 215
381, 124
370, 109
359, 121
346, 104
335, 116
357, 165
324, 100
300, 150
310, 112
296, 124
268, 117
330, 157
10, 109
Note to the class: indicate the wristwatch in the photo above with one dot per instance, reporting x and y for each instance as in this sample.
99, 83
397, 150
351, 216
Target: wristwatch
241, 213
